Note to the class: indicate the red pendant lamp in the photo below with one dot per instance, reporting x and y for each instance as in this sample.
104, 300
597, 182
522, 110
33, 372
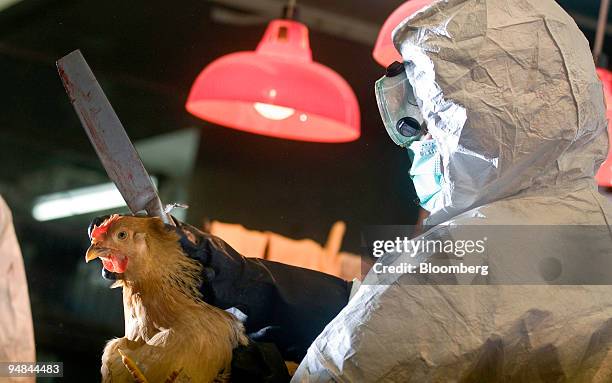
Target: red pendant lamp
604, 174
384, 51
277, 90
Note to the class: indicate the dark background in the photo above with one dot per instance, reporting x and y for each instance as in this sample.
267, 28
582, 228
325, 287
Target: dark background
146, 55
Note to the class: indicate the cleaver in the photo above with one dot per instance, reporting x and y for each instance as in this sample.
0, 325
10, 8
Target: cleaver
108, 137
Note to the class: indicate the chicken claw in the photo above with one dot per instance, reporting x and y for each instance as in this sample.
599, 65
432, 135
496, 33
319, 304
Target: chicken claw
139, 376
132, 368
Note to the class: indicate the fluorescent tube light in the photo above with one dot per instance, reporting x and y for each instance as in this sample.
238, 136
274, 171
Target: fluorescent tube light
78, 201
4, 4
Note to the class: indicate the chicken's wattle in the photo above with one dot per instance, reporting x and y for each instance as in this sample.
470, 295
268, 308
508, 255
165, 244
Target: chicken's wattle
115, 263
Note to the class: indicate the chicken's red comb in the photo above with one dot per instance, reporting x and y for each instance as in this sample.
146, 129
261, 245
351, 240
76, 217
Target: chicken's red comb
99, 231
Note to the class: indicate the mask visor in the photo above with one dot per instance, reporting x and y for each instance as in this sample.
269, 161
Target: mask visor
398, 108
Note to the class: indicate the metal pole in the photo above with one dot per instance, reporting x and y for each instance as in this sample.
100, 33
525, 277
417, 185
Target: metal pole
290, 11
602, 21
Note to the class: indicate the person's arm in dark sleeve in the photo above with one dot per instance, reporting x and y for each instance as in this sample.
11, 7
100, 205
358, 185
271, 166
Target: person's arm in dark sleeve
286, 305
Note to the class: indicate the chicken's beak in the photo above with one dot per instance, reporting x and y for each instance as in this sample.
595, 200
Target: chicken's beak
92, 253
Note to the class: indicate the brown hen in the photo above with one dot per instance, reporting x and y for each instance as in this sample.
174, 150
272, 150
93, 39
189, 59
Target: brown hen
171, 334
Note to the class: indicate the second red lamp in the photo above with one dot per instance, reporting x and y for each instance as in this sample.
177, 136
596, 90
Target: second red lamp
604, 175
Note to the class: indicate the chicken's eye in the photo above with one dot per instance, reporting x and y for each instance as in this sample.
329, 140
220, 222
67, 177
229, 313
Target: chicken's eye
122, 235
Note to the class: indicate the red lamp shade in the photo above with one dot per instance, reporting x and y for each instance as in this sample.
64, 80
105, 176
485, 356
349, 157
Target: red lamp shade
277, 90
384, 51
604, 175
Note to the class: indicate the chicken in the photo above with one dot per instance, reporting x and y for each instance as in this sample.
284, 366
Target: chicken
171, 334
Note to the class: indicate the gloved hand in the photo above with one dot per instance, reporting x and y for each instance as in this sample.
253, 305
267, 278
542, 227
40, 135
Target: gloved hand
285, 305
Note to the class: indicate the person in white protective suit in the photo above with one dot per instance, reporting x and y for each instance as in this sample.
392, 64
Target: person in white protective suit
16, 330
508, 92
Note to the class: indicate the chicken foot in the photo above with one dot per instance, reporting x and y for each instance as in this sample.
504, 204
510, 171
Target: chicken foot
138, 375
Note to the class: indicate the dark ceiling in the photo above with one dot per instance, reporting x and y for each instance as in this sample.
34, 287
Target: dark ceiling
146, 55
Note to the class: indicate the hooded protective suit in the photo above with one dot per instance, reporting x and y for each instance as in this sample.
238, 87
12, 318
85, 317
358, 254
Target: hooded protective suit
16, 331
510, 94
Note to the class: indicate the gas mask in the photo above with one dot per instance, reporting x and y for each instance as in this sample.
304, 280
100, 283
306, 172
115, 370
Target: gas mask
405, 125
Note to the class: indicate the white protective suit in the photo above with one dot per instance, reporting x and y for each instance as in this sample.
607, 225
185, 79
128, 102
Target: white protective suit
510, 94
16, 330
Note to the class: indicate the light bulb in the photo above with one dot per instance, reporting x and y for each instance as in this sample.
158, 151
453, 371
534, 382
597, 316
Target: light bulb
273, 112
